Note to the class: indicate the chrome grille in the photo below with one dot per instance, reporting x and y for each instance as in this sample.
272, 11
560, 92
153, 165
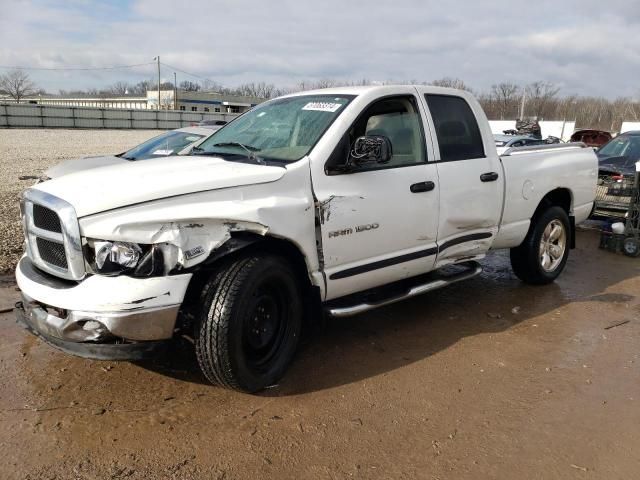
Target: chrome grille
52, 234
46, 219
52, 252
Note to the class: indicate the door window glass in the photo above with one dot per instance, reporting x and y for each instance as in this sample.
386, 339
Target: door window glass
456, 127
397, 119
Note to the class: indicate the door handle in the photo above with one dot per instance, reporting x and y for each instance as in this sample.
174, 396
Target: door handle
422, 187
489, 177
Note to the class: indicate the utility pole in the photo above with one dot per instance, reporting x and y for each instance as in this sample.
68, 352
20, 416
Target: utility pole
175, 91
158, 59
524, 95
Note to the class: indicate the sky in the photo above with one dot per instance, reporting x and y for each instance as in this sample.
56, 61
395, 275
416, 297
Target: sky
586, 47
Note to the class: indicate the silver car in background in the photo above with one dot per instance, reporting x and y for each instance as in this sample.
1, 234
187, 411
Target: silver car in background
505, 142
173, 142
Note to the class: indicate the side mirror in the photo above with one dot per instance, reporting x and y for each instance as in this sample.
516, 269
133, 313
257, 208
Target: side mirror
370, 149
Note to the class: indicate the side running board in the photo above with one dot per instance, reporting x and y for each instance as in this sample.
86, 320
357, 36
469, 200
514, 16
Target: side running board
346, 309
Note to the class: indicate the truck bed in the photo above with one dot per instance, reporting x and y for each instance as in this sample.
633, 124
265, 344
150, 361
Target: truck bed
532, 172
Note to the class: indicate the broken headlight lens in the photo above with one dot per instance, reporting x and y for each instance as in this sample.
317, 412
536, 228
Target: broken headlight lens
111, 257
138, 260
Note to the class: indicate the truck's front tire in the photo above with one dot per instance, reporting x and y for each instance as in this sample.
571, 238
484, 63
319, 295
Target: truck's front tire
249, 324
544, 252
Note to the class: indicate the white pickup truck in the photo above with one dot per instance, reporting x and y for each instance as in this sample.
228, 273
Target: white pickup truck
334, 201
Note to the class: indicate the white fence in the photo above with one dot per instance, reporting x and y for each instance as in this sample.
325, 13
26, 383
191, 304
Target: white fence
47, 116
629, 126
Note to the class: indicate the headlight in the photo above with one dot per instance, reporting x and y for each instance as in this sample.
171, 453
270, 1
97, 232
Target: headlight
113, 258
123, 254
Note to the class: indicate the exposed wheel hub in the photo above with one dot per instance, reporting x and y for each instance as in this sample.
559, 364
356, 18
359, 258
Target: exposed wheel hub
263, 323
552, 245
265, 326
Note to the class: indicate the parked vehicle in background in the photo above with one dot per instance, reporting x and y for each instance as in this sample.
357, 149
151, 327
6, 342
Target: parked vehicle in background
505, 142
339, 200
616, 172
591, 137
218, 123
174, 142
620, 154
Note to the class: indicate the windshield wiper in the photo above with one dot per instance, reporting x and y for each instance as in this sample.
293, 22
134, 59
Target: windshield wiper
248, 148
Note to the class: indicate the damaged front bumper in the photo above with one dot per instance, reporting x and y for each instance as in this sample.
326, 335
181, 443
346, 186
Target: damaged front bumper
114, 318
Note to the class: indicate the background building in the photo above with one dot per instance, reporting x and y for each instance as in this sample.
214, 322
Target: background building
201, 101
207, 102
137, 103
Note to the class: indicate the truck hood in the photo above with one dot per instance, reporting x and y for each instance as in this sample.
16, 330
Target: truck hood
115, 186
79, 164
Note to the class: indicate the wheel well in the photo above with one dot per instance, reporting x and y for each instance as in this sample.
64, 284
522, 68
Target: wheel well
244, 243
560, 197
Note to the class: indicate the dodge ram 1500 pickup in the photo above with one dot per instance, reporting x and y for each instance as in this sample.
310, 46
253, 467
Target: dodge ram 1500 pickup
335, 201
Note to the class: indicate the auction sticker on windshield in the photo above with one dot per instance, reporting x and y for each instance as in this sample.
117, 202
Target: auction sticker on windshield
322, 106
162, 152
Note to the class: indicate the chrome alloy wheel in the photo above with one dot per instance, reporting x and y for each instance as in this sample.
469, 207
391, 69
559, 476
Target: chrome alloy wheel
552, 245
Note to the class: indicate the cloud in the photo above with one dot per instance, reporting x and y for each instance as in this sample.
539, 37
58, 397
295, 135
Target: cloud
580, 44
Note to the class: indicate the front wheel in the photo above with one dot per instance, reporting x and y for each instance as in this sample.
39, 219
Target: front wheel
543, 254
250, 323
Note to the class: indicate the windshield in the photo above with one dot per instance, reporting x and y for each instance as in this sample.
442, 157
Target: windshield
622, 146
168, 143
285, 129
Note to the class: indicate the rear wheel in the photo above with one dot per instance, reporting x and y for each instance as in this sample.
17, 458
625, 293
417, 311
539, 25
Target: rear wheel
543, 254
250, 322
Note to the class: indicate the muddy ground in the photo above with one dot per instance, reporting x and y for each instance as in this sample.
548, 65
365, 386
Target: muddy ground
485, 379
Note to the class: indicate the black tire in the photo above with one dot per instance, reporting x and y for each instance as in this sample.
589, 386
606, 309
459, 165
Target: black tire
631, 247
249, 324
526, 259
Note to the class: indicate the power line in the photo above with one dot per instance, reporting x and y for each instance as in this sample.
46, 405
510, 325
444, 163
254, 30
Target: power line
115, 67
188, 73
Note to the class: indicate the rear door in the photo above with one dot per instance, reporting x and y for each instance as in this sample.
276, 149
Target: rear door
469, 175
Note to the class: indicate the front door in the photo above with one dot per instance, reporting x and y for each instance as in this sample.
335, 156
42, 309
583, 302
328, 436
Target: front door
378, 222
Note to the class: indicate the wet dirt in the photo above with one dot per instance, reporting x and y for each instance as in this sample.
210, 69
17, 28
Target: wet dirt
489, 378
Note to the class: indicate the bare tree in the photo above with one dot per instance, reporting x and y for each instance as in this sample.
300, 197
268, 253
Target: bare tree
540, 95
451, 83
211, 86
17, 84
506, 96
258, 90
189, 86
140, 88
119, 89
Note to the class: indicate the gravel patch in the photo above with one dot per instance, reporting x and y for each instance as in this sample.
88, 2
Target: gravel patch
30, 152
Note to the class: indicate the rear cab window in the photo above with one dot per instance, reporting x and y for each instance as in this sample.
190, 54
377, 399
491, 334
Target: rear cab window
457, 130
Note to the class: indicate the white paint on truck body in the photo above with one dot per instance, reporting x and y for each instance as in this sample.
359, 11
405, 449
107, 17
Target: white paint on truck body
351, 228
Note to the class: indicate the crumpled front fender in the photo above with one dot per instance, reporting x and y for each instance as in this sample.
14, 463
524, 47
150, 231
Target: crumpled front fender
195, 239
201, 222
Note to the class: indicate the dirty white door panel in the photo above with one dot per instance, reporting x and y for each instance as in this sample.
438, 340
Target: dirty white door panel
378, 222
470, 176
374, 229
